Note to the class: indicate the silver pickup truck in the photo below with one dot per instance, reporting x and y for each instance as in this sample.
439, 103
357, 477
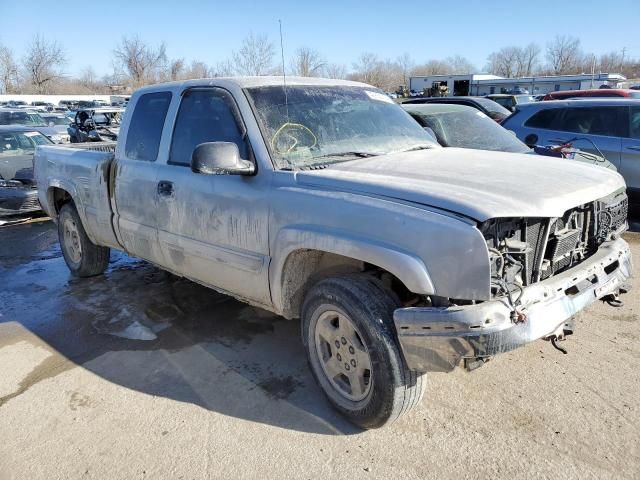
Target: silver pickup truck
323, 200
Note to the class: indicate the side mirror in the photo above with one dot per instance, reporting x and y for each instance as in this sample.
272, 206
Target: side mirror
220, 158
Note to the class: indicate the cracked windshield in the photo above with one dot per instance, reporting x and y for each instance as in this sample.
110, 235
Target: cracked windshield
312, 126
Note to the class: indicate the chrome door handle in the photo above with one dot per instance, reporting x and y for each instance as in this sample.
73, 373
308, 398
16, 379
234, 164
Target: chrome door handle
637, 149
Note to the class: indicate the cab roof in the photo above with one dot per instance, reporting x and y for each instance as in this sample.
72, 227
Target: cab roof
250, 82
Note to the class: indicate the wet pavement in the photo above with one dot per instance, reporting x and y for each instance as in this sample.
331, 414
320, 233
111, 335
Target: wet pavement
135, 307
141, 374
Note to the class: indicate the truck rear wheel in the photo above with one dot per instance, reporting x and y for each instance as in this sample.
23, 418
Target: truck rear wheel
83, 257
353, 352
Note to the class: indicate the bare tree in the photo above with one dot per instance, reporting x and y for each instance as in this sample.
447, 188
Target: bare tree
198, 69
43, 63
307, 62
383, 74
459, 65
335, 70
529, 59
88, 79
564, 54
504, 62
176, 69
9, 80
223, 69
406, 64
142, 62
365, 68
449, 66
514, 61
432, 67
255, 56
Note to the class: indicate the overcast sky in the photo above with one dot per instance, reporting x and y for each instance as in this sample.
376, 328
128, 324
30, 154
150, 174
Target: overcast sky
340, 30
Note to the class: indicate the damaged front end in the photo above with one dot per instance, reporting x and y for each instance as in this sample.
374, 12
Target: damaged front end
543, 272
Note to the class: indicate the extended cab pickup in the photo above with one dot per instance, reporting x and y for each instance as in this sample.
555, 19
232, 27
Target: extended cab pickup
325, 201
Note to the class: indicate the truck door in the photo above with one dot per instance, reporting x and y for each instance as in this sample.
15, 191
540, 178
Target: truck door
136, 185
213, 228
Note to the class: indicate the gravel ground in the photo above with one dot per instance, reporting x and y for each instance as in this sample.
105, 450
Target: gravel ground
138, 374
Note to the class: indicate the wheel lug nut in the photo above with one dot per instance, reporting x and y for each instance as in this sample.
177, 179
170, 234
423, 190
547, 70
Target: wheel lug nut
347, 367
353, 362
337, 343
339, 357
351, 350
343, 340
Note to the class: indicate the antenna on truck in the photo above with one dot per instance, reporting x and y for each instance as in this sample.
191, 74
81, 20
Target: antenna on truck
284, 75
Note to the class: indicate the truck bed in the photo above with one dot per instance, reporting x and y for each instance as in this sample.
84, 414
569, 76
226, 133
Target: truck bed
83, 170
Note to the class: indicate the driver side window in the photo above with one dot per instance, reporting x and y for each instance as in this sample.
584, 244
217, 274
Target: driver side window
205, 115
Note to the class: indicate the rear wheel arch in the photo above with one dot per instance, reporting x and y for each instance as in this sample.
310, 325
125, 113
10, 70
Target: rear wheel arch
57, 198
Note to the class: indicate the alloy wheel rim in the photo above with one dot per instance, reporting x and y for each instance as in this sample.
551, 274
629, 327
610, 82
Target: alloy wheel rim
72, 241
343, 356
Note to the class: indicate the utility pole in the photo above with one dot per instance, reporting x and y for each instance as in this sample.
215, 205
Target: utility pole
624, 50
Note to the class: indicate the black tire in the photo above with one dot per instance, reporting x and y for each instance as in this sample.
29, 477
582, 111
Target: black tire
87, 260
393, 389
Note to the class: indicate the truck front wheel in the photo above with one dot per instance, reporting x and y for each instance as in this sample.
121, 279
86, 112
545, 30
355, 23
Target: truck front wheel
353, 352
83, 257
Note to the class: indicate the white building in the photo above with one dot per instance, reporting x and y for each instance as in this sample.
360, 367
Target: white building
480, 84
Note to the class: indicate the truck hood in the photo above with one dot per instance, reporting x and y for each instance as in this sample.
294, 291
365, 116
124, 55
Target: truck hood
474, 183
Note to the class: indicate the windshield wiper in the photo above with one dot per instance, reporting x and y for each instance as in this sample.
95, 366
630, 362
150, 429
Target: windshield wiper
417, 147
347, 154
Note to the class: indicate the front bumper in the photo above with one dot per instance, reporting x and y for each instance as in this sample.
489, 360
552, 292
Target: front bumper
437, 339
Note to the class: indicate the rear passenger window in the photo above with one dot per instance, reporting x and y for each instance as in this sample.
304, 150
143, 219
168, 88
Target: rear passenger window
207, 115
544, 119
145, 129
594, 121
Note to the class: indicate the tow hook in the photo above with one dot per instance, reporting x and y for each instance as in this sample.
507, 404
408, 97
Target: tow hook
554, 339
561, 335
613, 299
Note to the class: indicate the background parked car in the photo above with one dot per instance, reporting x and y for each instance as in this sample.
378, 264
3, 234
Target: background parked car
59, 122
488, 107
608, 127
601, 92
31, 119
17, 103
70, 104
18, 192
464, 127
510, 101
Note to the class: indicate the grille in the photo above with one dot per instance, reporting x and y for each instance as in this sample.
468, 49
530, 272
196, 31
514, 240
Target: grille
611, 217
534, 238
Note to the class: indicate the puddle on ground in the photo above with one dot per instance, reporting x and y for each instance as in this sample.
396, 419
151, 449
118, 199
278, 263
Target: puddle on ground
135, 302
